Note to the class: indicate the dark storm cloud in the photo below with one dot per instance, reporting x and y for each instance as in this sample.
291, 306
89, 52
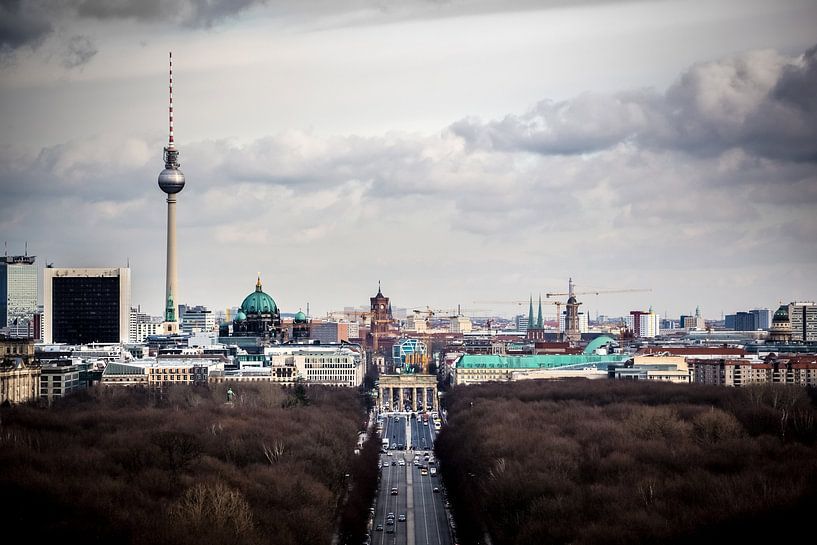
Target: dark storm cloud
22, 24
758, 101
79, 50
28, 22
188, 12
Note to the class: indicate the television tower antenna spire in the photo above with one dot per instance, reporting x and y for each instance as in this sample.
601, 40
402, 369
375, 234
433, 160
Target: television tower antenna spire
170, 104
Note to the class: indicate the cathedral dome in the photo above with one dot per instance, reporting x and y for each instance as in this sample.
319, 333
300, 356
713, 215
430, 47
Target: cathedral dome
300, 317
782, 314
258, 302
240, 316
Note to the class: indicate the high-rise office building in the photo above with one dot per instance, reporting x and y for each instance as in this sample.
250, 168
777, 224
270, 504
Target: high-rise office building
18, 294
763, 317
803, 318
644, 324
741, 321
86, 305
197, 319
745, 321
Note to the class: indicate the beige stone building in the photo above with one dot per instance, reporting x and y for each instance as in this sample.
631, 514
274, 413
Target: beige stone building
16, 351
19, 384
19, 374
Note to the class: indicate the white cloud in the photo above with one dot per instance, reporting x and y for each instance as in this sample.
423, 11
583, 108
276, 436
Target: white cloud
626, 189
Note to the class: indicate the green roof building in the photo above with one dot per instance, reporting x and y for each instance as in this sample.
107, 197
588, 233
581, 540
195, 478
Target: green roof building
473, 368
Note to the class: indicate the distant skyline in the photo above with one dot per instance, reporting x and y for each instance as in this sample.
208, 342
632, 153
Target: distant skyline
457, 151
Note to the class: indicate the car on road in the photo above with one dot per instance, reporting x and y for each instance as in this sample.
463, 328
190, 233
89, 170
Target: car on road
423, 472
402, 517
394, 491
389, 522
401, 463
436, 490
390, 530
393, 463
379, 528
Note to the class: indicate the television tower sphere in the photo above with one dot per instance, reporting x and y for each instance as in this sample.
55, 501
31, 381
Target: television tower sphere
171, 180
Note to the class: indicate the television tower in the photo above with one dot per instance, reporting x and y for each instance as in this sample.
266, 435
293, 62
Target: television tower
171, 181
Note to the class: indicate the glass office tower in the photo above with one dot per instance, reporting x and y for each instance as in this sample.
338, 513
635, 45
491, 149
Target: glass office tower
18, 292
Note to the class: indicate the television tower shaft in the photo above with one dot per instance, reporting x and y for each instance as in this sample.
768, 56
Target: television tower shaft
171, 181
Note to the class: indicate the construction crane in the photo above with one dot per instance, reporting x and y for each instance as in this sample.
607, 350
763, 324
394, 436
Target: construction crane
571, 292
447, 312
354, 314
571, 318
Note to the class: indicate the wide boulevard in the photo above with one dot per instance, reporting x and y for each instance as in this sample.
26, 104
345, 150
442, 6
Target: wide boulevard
419, 513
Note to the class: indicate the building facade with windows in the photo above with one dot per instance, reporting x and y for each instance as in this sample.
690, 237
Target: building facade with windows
57, 381
801, 370
334, 365
197, 319
18, 295
803, 320
83, 306
644, 324
19, 371
161, 372
763, 317
19, 383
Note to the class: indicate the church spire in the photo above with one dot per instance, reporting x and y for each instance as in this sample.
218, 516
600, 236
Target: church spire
539, 322
531, 323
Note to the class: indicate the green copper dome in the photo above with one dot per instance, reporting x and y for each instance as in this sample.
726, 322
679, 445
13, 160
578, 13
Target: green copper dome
782, 314
300, 316
258, 302
240, 316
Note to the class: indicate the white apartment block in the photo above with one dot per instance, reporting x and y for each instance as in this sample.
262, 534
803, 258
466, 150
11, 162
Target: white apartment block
336, 365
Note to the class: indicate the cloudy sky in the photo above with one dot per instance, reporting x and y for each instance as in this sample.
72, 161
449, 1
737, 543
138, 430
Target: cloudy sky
459, 151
